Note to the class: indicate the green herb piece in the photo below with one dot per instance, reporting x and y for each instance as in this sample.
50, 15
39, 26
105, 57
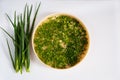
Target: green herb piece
11, 55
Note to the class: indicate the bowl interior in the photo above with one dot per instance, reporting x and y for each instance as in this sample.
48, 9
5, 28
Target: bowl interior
60, 41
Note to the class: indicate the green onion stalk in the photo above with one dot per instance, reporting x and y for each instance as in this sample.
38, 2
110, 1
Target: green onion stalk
23, 29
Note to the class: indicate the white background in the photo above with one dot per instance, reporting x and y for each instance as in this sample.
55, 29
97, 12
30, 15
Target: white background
101, 17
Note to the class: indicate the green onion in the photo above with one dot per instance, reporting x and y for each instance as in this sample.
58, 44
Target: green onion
23, 29
11, 55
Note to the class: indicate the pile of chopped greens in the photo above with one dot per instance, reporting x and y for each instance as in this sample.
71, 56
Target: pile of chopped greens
60, 41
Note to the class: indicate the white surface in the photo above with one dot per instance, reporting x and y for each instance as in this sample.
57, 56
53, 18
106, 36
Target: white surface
102, 20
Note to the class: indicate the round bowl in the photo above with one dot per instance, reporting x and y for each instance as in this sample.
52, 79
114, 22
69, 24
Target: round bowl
60, 41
